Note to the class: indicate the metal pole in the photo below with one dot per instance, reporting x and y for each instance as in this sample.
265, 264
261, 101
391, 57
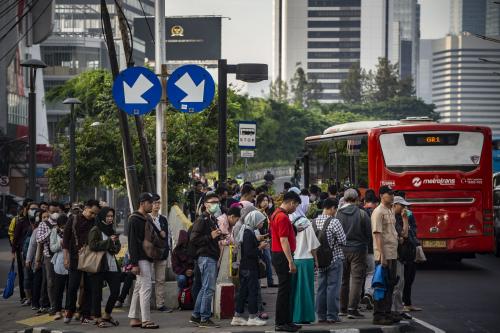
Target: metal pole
246, 168
32, 137
222, 101
72, 158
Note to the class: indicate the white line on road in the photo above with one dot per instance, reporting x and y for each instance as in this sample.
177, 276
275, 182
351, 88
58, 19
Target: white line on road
429, 326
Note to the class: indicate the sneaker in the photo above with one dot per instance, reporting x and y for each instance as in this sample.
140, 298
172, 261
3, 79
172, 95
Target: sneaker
58, 316
285, 328
27, 302
194, 320
412, 308
164, 308
263, 315
354, 314
208, 324
382, 321
52, 312
118, 304
41, 311
238, 321
295, 326
406, 316
68, 317
396, 317
368, 302
34, 308
256, 322
342, 314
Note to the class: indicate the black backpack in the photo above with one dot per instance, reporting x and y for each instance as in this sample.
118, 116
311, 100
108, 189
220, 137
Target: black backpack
324, 252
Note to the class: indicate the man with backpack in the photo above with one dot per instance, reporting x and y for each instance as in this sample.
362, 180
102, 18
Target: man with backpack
330, 262
357, 227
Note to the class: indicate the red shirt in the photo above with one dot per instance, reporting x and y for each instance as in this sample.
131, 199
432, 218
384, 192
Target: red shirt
281, 226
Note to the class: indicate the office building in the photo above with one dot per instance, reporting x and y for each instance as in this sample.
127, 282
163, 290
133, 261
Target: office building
464, 89
391, 29
322, 37
468, 16
424, 84
492, 18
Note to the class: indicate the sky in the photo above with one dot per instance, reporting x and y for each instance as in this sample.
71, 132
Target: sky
247, 26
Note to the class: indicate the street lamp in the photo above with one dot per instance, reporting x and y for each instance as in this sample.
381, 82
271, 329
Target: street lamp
33, 65
72, 148
245, 72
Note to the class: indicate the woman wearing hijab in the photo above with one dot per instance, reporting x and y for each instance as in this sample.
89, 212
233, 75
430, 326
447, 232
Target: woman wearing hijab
249, 270
182, 262
305, 260
102, 237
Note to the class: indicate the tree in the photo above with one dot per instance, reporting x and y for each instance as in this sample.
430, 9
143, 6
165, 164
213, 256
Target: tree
385, 80
405, 87
351, 88
304, 91
278, 91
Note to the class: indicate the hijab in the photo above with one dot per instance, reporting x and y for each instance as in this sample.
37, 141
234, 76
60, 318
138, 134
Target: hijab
301, 209
181, 249
252, 220
107, 229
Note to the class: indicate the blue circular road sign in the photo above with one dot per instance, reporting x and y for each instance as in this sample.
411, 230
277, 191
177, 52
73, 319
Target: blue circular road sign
190, 89
137, 91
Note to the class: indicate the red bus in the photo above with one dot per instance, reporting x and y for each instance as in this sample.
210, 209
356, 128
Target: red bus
445, 170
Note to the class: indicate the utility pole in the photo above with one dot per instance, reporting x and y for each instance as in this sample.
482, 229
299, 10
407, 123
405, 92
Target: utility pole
128, 157
161, 131
139, 123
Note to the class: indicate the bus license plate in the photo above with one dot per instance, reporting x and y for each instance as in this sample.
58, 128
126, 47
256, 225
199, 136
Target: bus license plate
434, 244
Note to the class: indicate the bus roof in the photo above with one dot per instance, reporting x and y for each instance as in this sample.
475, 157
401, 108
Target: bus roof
360, 127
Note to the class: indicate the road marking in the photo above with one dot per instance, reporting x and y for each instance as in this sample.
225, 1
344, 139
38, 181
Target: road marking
429, 326
46, 318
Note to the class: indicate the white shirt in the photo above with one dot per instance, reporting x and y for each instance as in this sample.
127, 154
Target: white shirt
306, 242
156, 221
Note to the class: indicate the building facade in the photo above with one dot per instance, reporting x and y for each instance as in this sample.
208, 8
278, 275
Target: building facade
468, 15
322, 37
464, 89
424, 84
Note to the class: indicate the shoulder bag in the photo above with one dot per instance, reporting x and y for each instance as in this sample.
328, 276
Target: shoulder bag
88, 261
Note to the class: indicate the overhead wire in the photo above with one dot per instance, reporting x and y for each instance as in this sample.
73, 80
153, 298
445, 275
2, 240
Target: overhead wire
9, 7
18, 21
147, 22
129, 61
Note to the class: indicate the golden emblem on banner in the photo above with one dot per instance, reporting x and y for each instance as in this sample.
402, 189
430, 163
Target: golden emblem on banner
177, 31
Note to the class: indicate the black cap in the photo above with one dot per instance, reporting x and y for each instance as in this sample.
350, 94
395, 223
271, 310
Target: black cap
146, 196
385, 189
156, 197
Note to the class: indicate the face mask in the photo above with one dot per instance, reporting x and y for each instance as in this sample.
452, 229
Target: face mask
54, 216
270, 206
408, 213
313, 198
214, 208
31, 212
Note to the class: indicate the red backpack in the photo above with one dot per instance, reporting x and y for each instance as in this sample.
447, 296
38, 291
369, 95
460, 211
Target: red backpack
185, 298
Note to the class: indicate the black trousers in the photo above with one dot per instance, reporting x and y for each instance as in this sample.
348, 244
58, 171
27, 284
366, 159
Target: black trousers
20, 273
249, 290
127, 279
74, 278
410, 272
113, 281
283, 300
383, 307
36, 292
44, 297
61, 284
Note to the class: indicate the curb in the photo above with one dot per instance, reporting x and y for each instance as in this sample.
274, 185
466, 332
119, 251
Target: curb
42, 330
402, 328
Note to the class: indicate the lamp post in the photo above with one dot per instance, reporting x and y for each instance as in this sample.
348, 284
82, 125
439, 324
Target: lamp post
33, 65
72, 148
245, 72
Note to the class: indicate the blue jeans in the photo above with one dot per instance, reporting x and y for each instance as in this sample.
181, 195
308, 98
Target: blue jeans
182, 281
328, 296
203, 305
266, 256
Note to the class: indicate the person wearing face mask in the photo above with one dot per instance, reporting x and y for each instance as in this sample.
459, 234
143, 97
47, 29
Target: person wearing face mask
40, 282
103, 237
43, 238
205, 237
21, 226
61, 273
33, 286
262, 204
161, 224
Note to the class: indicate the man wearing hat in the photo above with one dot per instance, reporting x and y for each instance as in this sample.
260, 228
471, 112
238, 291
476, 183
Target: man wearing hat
385, 250
142, 265
357, 228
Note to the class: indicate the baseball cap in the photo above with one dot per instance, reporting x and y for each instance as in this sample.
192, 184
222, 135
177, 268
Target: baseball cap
156, 197
146, 196
350, 194
385, 189
401, 201
294, 189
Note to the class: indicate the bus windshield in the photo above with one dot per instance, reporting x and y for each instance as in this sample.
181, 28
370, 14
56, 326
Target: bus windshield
432, 151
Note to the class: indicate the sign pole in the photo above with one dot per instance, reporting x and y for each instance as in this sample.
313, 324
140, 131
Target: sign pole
222, 102
161, 134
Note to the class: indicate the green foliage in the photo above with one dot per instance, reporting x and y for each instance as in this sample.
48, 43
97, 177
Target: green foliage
303, 89
351, 87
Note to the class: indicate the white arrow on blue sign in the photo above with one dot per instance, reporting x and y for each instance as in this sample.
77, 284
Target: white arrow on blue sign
137, 91
190, 89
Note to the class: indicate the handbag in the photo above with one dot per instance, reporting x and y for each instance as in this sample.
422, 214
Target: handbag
153, 245
420, 255
11, 279
88, 261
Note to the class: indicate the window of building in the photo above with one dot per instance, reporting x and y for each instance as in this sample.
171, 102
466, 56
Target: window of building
333, 45
329, 65
334, 24
327, 76
334, 3
334, 13
333, 34
332, 55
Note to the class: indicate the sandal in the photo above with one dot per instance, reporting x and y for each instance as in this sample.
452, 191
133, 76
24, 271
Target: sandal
149, 325
136, 325
103, 324
111, 320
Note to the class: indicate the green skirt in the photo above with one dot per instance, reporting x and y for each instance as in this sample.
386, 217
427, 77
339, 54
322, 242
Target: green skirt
303, 306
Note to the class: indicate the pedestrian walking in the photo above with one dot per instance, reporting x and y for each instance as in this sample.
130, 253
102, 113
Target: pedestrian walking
61, 273
249, 270
103, 238
75, 237
142, 265
332, 237
385, 249
356, 225
205, 238
160, 265
283, 246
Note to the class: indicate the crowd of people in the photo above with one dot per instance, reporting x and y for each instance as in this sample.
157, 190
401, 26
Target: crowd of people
360, 247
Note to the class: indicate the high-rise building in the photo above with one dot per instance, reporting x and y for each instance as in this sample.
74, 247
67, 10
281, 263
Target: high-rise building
468, 16
424, 86
464, 89
322, 37
492, 18
391, 29
77, 45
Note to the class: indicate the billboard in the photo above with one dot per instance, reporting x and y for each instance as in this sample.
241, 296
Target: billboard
187, 38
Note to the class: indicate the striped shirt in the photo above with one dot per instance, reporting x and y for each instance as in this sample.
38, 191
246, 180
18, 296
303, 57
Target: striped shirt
335, 235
